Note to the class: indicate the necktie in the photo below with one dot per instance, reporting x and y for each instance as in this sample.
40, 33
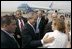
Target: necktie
21, 24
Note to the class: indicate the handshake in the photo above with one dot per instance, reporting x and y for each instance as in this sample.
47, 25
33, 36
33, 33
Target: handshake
46, 39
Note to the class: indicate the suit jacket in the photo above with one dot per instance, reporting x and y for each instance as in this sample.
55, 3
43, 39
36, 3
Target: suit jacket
41, 27
29, 38
48, 27
17, 31
7, 41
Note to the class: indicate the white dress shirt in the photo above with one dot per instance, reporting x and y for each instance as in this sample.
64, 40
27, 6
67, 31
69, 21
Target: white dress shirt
60, 41
34, 30
37, 25
20, 24
31, 25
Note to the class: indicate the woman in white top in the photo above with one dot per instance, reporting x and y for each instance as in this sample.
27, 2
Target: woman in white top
61, 39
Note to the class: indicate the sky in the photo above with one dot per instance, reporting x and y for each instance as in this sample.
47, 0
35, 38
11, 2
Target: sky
12, 5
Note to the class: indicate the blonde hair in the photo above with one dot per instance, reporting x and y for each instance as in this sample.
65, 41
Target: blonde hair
59, 24
67, 26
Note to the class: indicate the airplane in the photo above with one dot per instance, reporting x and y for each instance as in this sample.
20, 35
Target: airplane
26, 8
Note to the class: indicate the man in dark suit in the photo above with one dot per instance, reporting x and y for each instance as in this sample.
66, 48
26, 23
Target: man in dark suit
29, 38
48, 27
8, 26
20, 22
41, 22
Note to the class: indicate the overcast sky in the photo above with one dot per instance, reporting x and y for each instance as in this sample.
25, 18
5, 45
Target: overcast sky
12, 5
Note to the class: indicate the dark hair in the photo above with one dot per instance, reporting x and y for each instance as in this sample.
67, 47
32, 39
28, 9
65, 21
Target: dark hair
6, 20
62, 16
56, 11
32, 15
18, 11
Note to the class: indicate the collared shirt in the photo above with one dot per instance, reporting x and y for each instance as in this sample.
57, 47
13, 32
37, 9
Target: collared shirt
38, 21
19, 22
60, 41
11, 35
37, 25
34, 30
31, 26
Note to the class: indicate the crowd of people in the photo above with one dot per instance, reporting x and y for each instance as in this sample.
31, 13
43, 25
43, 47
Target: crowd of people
35, 31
